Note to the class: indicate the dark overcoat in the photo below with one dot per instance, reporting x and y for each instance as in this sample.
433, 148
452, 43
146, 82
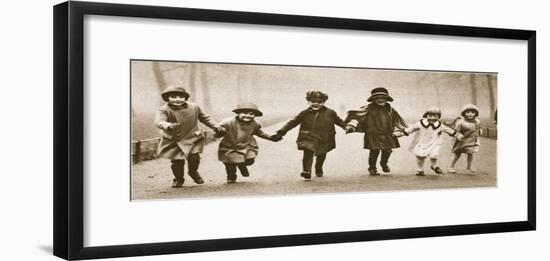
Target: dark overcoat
184, 137
316, 129
378, 123
239, 143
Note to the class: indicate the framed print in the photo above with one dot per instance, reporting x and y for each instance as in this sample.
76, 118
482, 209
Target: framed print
184, 130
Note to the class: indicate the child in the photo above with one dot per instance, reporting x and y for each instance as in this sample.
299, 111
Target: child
468, 126
380, 122
316, 135
181, 138
238, 148
427, 141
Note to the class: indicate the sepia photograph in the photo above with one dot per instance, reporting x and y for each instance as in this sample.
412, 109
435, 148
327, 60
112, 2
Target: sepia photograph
230, 130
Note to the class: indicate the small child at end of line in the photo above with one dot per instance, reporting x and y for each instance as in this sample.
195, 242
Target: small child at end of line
468, 126
238, 148
428, 139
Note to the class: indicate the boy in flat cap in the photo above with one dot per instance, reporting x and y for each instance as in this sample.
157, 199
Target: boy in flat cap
316, 136
381, 123
238, 148
181, 138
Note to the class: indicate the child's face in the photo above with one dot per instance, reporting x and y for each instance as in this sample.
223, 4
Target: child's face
176, 99
432, 117
316, 104
469, 114
246, 116
381, 101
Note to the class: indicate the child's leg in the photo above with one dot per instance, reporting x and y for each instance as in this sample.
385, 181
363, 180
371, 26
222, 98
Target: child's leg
178, 169
384, 160
456, 157
320, 159
249, 162
420, 165
470, 161
373, 157
434, 166
194, 161
307, 161
231, 170
244, 170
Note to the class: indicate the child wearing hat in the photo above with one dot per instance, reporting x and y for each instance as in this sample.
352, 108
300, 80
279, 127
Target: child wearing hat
181, 138
381, 123
316, 134
467, 125
428, 139
239, 148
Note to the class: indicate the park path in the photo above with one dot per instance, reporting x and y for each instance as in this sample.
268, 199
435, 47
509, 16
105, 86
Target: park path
277, 171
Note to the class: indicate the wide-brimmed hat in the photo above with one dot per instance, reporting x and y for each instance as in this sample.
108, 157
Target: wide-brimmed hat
174, 89
379, 92
316, 95
469, 107
248, 106
432, 111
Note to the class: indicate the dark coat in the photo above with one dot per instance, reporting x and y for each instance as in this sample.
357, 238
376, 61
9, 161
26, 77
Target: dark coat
316, 129
239, 143
184, 137
378, 123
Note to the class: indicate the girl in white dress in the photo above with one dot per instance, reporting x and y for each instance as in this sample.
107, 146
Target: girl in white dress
428, 139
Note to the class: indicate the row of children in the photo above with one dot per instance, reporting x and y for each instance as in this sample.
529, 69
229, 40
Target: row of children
181, 138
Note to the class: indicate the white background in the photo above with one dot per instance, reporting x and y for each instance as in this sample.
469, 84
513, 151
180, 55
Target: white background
27, 130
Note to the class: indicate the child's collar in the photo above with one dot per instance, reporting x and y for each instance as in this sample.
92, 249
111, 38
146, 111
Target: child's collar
425, 123
183, 106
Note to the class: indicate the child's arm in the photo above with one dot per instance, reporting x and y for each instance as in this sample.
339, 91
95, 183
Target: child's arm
339, 122
210, 123
260, 133
161, 120
290, 125
451, 132
411, 129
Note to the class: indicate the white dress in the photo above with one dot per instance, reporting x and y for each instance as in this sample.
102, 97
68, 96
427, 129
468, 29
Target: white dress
427, 140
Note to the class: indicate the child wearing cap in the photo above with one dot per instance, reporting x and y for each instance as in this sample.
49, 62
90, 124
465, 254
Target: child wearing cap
428, 139
181, 138
467, 125
316, 135
239, 148
381, 123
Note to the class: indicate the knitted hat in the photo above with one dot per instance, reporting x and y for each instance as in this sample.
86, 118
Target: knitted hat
379, 92
469, 107
432, 111
174, 89
248, 106
316, 95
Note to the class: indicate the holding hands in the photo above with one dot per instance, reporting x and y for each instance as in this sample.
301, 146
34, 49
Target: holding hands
276, 137
349, 129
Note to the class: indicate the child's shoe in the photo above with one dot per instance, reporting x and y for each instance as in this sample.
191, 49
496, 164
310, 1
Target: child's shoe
231, 181
420, 173
437, 170
373, 172
452, 170
177, 183
306, 174
472, 170
196, 178
319, 173
385, 168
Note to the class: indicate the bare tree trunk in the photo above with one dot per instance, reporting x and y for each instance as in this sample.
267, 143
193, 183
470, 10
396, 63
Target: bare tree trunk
159, 76
473, 88
205, 89
192, 81
492, 98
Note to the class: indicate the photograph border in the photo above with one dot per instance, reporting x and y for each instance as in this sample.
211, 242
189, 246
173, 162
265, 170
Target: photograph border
68, 81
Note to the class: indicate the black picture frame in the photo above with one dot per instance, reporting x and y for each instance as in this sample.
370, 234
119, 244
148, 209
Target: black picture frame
69, 129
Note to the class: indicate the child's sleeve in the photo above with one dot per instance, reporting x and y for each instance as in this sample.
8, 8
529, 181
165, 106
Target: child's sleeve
398, 122
449, 131
290, 124
260, 133
412, 128
161, 120
338, 121
207, 120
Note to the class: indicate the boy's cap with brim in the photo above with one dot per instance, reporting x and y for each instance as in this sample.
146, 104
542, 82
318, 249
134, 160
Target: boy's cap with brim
174, 89
379, 92
248, 106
